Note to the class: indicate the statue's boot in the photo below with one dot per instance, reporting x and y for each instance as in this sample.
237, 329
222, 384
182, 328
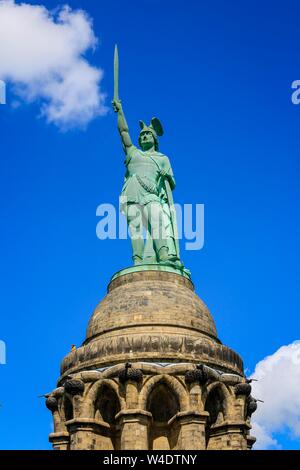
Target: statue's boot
168, 259
172, 259
163, 254
137, 260
137, 250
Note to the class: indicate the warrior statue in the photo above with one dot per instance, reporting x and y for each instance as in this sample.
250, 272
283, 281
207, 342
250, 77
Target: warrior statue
146, 198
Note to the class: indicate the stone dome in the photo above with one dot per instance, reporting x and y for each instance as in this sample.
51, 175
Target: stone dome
152, 316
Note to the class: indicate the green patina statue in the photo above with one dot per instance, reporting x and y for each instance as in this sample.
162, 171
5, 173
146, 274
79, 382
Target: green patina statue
146, 198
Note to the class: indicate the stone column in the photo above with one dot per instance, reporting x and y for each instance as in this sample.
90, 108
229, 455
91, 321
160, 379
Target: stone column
134, 426
228, 436
131, 388
60, 440
131, 378
192, 429
89, 434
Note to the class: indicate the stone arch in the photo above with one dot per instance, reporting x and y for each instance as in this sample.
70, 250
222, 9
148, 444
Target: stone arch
217, 404
107, 405
225, 395
172, 383
68, 407
164, 397
94, 393
102, 403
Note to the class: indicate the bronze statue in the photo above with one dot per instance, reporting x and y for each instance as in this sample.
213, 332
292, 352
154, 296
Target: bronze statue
146, 197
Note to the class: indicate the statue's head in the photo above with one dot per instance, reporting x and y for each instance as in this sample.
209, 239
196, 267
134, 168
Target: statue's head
148, 137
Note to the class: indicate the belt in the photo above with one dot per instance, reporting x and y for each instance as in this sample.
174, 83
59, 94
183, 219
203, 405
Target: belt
149, 189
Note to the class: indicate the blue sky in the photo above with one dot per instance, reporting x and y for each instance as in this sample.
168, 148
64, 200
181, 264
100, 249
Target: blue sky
218, 75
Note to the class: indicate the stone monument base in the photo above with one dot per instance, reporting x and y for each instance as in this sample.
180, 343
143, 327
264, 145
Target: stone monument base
151, 374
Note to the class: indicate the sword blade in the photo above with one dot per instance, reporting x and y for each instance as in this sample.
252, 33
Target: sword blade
116, 74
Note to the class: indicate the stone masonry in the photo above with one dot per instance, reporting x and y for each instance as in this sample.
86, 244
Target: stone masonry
152, 374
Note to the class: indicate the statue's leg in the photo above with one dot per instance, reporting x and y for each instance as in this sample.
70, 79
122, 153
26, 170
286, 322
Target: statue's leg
169, 234
149, 255
134, 221
154, 213
170, 237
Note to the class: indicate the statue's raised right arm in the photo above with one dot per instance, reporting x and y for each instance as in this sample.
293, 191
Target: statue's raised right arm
122, 125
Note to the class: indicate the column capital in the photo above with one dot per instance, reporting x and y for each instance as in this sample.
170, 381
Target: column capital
86, 424
188, 417
229, 427
59, 438
134, 415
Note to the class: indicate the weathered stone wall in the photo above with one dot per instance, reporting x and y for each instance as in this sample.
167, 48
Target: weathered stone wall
187, 418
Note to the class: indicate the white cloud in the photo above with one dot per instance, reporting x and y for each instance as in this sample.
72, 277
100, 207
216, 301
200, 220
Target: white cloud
42, 54
278, 385
264, 439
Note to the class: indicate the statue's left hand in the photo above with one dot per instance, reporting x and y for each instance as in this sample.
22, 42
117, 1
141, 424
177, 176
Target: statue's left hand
163, 172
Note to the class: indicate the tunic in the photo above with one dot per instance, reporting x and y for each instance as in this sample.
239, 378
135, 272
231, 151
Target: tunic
142, 182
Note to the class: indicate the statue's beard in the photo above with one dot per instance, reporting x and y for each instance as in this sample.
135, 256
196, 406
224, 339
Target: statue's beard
147, 145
